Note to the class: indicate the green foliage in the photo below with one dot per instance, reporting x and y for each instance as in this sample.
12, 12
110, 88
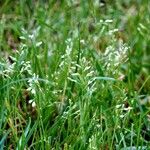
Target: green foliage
74, 74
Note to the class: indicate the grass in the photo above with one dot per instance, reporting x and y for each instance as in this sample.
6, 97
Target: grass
74, 75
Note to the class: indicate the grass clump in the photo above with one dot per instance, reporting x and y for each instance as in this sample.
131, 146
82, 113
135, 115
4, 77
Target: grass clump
74, 75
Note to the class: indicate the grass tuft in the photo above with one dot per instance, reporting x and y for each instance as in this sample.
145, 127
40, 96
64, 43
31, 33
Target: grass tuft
74, 75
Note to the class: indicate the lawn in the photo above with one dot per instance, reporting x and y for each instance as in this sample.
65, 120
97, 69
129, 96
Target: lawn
75, 75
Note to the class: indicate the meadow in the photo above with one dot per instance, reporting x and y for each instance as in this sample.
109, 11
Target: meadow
75, 75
